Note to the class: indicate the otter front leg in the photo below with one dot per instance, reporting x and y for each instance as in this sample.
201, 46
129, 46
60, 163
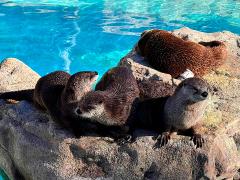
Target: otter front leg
198, 140
122, 135
127, 138
196, 135
163, 138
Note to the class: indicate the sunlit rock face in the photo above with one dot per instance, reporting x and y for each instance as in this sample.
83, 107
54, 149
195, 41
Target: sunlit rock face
32, 146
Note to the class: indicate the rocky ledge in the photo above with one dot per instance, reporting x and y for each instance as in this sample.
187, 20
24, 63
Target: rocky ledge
34, 147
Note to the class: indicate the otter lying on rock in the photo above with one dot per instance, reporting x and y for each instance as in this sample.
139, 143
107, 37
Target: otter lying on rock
173, 55
181, 112
111, 102
58, 93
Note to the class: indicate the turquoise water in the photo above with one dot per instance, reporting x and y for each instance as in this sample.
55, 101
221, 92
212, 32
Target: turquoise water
75, 35
79, 35
3, 175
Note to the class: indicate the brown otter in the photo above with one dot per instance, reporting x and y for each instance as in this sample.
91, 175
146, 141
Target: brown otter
173, 55
111, 102
58, 93
152, 88
181, 112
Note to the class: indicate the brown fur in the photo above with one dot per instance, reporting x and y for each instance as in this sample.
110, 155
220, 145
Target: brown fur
173, 55
154, 89
59, 93
115, 92
176, 113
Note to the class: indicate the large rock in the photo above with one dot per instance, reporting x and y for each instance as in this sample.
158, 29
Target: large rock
33, 147
15, 75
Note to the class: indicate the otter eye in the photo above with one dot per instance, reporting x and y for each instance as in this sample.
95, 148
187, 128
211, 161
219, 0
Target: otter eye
78, 111
100, 102
195, 89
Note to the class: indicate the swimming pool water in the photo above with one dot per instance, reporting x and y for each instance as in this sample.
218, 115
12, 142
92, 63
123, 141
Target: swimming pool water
3, 176
80, 35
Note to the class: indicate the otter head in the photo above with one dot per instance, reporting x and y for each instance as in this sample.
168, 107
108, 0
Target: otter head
94, 108
77, 86
145, 36
82, 81
193, 90
91, 105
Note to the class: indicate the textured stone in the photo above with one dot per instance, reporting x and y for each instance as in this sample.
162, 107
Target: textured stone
34, 147
15, 75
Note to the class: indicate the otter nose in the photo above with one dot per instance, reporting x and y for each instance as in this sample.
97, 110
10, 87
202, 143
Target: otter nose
78, 111
204, 94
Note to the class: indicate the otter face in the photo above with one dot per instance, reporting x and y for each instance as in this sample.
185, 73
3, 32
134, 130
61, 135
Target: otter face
194, 89
77, 86
87, 78
91, 106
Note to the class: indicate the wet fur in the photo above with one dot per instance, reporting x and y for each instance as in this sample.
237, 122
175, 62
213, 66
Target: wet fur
116, 92
173, 55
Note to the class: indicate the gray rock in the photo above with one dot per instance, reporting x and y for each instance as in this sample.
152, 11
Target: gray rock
15, 75
32, 146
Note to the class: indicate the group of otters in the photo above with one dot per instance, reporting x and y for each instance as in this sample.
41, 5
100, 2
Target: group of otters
120, 104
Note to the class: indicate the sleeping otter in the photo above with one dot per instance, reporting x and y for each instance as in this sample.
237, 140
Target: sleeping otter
173, 55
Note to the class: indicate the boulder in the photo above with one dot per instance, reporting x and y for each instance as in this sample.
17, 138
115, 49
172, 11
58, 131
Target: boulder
32, 146
15, 75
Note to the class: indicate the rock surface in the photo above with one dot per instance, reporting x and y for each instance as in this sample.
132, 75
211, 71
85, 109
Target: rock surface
15, 75
33, 147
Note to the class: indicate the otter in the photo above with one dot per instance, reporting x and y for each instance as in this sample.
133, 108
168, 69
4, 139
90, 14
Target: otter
181, 112
153, 88
111, 102
173, 55
59, 94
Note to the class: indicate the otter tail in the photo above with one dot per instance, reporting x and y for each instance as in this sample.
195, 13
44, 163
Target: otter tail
219, 51
19, 95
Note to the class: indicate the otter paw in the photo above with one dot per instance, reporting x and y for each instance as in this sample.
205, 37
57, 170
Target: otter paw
198, 140
162, 140
124, 140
